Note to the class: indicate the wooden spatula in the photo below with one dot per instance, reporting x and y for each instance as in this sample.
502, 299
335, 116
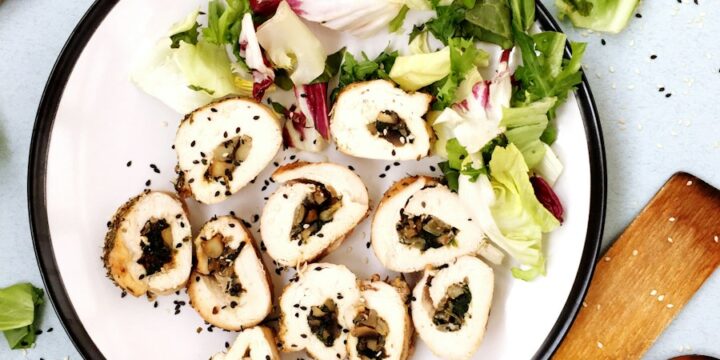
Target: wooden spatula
649, 273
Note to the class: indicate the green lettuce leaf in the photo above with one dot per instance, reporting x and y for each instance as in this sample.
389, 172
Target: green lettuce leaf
185, 30
523, 14
517, 212
413, 72
19, 311
207, 68
524, 127
225, 23
464, 56
332, 67
493, 17
600, 15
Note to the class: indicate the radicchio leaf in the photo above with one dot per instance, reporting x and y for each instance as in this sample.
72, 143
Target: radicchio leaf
546, 195
264, 7
312, 101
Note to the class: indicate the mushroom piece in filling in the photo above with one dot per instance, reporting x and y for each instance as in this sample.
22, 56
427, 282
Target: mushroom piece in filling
425, 231
392, 128
226, 157
371, 331
157, 251
323, 322
219, 263
450, 313
316, 210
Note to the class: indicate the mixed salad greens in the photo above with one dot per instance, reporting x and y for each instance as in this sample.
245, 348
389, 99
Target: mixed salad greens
19, 313
494, 135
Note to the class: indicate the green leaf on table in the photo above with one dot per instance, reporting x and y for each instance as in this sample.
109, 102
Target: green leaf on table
19, 307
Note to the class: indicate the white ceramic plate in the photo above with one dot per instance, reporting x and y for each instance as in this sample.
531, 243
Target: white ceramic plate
93, 121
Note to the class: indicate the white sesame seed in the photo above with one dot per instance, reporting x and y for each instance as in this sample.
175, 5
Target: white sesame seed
661, 297
669, 306
688, 183
717, 238
672, 219
597, 307
599, 345
670, 240
635, 252
584, 304
611, 69
653, 292
607, 258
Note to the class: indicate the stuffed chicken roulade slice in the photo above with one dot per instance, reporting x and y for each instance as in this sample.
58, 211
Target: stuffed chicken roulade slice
223, 146
317, 311
451, 307
312, 212
420, 222
382, 328
257, 343
229, 287
147, 246
376, 120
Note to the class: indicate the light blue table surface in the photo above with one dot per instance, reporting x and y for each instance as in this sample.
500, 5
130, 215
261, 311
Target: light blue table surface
648, 136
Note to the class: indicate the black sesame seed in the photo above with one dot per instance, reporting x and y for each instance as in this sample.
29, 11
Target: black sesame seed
338, 356
351, 167
129, 163
387, 167
228, 193
603, 42
179, 245
263, 188
178, 216
276, 163
285, 196
393, 152
109, 224
192, 144
173, 146
147, 183
233, 304
292, 157
396, 163
638, 15
38, 332
297, 315
123, 294
320, 235
367, 245
267, 357
256, 117
303, 336
197, 278
217, 193
196, 162
303, 308
155, 305
432, 168
653, 57
668, 95
49, 329
192, 180
296, 306
182, 224
256, 217
382, 175
142, 276
227, 345
225, 134
661, 89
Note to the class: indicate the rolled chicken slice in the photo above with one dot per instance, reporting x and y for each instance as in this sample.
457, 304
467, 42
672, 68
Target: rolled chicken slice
223, 146
257, 343
229, 286
376, 120
310, 215
420, 222
147, 247
317, 311
382, 328
451, 307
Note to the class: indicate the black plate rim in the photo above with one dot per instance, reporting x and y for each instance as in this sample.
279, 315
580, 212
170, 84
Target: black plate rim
36, 190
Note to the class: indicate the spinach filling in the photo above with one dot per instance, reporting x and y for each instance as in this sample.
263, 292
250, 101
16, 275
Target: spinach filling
226, 157
317, 209
323, 322
425, 232
392, 128
220, 261
157, 251
450, 313
371, 331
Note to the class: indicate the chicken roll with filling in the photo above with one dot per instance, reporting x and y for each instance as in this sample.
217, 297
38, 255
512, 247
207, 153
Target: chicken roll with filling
317, 311
257, 343
147, 247
451, 307
310, 215
382, 328
229, 287
376, 120
420, 222
223, 146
